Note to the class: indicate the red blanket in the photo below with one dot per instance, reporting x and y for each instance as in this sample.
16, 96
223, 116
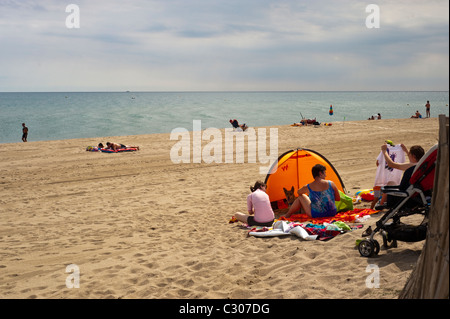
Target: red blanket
349, 216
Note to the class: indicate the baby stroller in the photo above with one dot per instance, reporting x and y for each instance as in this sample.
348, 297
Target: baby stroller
415, 199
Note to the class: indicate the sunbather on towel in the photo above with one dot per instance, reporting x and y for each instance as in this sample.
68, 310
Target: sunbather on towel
322, 196
115, 146
258, 204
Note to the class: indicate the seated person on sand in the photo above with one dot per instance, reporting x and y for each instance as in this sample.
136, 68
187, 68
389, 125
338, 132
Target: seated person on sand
115, 146
258, 204
414, 154
417, 115
321, 199
236, 124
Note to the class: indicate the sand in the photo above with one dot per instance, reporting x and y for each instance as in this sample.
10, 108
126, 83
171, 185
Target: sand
136, 225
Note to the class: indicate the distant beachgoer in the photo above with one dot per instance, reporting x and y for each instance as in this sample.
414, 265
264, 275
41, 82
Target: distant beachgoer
417, 115
379, 116
24, 132
427, 106
236, 125
309, 121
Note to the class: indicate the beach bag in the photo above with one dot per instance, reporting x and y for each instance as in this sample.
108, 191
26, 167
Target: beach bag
345, 204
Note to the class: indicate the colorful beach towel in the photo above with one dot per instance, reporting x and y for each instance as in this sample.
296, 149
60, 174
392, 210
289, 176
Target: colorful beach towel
309, 228
307, 231
119, 150
92, 149
350, 216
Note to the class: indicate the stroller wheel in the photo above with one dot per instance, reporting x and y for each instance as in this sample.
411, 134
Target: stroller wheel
376, 247
369, 248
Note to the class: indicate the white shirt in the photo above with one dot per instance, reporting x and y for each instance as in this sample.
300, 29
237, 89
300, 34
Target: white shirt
385, 173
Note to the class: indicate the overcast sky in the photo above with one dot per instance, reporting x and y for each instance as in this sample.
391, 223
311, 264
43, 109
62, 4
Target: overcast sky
221, 45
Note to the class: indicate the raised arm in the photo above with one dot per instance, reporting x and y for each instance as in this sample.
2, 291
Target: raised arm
391, 163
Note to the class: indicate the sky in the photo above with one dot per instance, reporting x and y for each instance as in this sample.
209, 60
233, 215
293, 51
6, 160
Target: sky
224, 45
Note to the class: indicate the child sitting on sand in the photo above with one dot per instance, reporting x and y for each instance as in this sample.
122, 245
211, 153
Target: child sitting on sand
258, 204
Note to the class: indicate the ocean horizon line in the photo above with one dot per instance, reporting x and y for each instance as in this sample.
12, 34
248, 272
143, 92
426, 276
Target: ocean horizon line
233, 91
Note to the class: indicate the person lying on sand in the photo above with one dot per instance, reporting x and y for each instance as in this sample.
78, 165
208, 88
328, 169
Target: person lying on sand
116, 146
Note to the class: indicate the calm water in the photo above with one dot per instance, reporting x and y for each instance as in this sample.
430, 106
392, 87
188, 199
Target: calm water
54, 116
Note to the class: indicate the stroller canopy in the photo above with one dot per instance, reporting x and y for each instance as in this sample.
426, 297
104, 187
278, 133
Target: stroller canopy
423, 174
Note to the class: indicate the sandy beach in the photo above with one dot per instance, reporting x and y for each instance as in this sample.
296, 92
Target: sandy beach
138, 225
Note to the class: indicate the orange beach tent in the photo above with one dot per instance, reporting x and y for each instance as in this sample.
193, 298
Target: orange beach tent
294, 169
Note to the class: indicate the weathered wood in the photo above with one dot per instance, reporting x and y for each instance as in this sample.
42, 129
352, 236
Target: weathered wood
430, 278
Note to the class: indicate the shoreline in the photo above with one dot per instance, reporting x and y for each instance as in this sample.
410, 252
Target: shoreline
136, 136
140, 226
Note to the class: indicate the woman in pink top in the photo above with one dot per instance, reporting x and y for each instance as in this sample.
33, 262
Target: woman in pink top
258, 204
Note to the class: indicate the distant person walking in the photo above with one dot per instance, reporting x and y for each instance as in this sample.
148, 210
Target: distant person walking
24, 132
428, 106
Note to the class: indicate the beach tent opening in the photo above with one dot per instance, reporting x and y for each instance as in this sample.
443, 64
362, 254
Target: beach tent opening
293, 168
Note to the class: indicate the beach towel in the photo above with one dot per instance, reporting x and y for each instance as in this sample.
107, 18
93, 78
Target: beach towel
92, 149
307, 231
307, 228
282, 228
349, 217
119, 150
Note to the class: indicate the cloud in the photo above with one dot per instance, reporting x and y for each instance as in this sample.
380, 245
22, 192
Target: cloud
223, 45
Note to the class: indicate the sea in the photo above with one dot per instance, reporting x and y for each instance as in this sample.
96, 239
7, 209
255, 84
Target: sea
70, 115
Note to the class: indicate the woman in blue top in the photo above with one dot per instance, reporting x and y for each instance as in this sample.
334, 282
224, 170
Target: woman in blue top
322, 196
